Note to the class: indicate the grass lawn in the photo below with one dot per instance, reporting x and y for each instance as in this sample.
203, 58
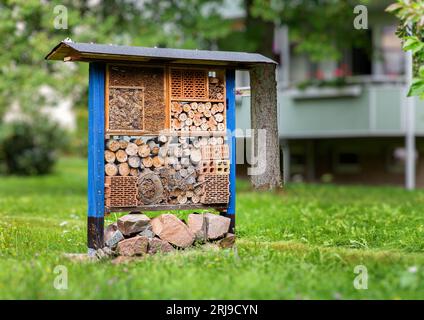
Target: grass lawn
301, 243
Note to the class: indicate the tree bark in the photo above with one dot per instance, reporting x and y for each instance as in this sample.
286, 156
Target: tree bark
266, 174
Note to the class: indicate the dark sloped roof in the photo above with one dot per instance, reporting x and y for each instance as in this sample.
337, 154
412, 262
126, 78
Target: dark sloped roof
102, 52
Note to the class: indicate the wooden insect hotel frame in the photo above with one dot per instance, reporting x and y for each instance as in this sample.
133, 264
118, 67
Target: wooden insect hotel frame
161, 129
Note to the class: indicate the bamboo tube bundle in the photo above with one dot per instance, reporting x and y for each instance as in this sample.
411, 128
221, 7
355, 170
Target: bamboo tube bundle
207, 113
197, 116
193, 106
176, 124
214, 109
182, 117
186, 108
216, 88
201, 108
189, 122
176, 108
219, 117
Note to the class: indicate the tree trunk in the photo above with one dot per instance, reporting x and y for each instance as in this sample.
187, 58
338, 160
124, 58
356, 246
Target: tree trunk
266, 173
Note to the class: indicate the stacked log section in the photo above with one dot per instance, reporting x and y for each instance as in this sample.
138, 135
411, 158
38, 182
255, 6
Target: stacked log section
167, 168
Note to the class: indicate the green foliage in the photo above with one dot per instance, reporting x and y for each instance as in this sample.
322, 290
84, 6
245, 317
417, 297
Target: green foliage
411, 32
320, 28
302, 243
30, 147
79, 142
28, 34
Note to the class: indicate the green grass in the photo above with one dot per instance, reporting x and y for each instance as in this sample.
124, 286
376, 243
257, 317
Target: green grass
301, 243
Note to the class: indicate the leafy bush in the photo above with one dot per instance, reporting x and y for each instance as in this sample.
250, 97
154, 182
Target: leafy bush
30, 147
79, 138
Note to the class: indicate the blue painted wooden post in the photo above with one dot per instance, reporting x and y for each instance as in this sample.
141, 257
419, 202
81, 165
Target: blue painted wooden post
96, 135
231, 126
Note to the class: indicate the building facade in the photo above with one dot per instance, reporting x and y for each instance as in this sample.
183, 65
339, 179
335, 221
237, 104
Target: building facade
346, 121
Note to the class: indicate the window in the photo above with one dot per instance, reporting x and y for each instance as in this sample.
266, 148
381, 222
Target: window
396, 158
361, 56
392, 54
297, 162
347, 162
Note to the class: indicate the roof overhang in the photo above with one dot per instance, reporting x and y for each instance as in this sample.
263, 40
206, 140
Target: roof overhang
90, 52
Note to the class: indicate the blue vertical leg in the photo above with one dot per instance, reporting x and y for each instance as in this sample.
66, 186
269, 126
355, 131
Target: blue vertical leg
96, 134
231, 127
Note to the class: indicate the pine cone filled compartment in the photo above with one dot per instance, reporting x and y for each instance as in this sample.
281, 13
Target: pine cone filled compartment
126, 108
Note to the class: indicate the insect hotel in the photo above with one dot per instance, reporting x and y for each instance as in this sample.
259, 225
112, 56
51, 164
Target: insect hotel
161, 125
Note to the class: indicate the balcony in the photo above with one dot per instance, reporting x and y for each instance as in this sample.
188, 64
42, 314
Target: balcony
363, 109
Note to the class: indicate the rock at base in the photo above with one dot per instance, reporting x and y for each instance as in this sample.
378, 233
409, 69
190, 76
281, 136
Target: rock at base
110, 230
124, 260
157, 245
133, 246
217, 226
171, 229
198, 226
113, 240
132, 223
147, 232
228, 241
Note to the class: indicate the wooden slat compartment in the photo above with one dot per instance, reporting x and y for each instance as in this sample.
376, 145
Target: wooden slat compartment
151, 81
